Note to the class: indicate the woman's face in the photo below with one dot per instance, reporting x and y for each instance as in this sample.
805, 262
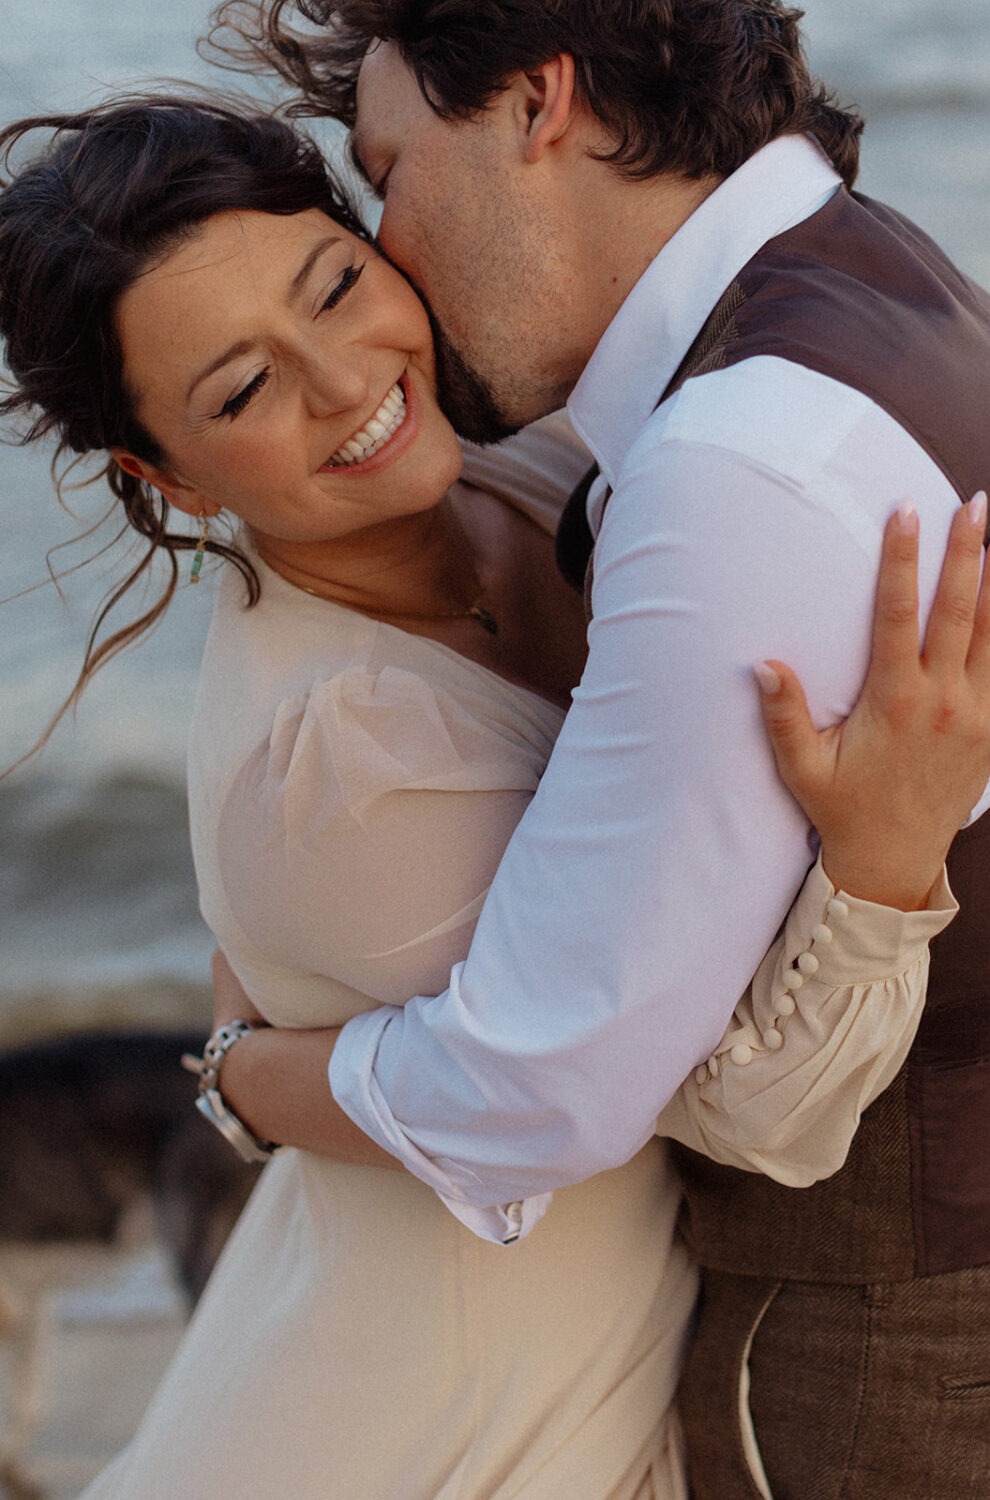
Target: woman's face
287, 372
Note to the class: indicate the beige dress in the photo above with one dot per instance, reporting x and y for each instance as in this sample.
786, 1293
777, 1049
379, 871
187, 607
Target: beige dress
352, 790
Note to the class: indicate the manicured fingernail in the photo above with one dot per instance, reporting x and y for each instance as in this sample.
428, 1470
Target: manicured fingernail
907, 518
977, 508
768, 679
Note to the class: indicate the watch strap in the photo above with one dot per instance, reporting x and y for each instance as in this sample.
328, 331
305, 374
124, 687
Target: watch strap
211, 1103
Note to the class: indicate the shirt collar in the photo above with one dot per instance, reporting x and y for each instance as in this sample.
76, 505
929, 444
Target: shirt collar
780, 186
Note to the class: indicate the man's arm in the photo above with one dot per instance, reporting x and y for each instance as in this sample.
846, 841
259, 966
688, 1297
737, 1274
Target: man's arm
838, 770
835, 1003
661, 852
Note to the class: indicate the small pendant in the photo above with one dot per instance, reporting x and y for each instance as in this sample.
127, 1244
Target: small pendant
199, 554
485, 620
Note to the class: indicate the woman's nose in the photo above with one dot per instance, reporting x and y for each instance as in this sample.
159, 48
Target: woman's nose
332, 385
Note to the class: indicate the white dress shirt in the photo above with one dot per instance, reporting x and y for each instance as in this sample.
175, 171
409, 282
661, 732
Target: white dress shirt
661, 851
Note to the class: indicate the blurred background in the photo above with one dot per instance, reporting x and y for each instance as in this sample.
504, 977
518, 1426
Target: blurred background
98, 918
98, 915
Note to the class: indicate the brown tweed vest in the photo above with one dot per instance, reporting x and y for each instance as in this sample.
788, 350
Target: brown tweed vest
859, 294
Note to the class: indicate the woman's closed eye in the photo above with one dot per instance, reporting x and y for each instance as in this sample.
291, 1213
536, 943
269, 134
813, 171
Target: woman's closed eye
236, 404
348, 279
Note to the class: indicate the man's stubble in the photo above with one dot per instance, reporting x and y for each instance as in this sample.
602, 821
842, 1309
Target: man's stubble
466, 399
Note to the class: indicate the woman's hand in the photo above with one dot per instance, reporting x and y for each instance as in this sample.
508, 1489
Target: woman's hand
889, 788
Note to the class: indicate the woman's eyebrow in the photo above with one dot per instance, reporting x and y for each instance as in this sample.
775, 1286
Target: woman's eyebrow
243, 346
300, 278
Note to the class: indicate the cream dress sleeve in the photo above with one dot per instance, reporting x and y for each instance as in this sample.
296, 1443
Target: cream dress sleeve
358, 838
820, 1033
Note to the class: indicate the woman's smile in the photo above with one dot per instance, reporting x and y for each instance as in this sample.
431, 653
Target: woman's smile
382, 437
287, 371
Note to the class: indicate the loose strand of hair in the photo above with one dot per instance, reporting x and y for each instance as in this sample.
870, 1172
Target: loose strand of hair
321, 70
97, 653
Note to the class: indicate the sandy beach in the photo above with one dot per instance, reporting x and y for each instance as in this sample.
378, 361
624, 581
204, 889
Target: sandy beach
86, 1329
110, 1322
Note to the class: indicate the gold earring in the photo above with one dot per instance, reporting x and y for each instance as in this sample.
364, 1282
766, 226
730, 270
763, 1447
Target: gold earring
198, 555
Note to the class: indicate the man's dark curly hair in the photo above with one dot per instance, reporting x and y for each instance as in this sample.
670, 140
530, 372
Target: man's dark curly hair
691, 87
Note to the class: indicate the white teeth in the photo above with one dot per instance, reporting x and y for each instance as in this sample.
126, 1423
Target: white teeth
375, 433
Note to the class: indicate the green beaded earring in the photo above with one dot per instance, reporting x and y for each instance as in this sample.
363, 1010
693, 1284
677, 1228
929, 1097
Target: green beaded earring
200, 552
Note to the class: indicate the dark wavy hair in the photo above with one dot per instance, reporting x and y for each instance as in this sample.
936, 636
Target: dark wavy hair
690, 87
114, 190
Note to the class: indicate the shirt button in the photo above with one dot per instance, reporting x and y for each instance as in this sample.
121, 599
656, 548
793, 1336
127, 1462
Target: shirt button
513, 1215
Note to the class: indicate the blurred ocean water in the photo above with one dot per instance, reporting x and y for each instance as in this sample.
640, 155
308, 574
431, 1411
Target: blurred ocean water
97, 904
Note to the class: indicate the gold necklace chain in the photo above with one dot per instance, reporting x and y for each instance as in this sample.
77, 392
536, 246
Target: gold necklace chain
484, 617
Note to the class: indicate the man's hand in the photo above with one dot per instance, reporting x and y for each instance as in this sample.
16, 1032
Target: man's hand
889, 788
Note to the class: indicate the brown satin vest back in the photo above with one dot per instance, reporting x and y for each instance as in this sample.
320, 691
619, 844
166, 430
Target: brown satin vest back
859, 294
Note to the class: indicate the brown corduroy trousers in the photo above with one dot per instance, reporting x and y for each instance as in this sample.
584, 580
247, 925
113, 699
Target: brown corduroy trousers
878, 1392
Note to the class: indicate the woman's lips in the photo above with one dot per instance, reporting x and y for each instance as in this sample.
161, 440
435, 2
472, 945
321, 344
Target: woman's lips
381, 438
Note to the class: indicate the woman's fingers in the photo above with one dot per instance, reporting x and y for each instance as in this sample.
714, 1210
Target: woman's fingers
979, 651
889, 787
957, 636
895, 616
803, 755
949, 637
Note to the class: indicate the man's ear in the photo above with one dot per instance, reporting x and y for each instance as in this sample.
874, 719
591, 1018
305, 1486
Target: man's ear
547, 104
179, 494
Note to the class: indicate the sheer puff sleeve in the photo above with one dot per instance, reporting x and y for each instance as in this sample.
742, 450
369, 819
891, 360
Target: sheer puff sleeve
820, 1033
357, 843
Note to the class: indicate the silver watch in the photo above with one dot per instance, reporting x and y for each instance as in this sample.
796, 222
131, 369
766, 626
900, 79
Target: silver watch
210, 1101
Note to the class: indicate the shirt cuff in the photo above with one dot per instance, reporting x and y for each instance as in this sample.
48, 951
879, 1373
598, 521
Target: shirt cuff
502, 1226
355, 1088
858, 941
